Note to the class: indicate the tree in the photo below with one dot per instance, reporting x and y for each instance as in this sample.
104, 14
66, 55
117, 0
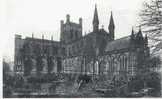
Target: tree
6, 67
7, 80
6, 76
151, 22
154, 62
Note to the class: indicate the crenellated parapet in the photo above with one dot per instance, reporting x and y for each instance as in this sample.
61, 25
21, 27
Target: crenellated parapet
70, 31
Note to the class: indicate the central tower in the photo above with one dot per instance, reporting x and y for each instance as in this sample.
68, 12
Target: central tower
70, 31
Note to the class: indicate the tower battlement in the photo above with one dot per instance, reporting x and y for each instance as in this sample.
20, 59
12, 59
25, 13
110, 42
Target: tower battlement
70, 31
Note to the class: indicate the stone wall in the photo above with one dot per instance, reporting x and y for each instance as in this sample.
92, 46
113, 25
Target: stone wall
72, 65
70, 31
117, 64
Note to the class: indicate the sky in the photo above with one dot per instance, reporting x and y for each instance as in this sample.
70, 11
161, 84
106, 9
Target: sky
43, 17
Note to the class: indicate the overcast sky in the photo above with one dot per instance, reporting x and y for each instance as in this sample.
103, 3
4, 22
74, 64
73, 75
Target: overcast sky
43, 17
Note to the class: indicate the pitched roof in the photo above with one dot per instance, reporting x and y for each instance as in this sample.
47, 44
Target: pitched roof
118, 44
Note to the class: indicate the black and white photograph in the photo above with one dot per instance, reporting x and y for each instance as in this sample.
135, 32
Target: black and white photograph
81, 48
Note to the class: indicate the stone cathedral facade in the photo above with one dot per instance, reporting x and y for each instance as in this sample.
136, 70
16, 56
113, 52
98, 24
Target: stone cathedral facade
96, 53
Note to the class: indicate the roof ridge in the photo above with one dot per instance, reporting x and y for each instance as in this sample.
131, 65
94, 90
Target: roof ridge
121, 38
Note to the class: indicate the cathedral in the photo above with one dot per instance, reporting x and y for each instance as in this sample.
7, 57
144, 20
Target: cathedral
96, 53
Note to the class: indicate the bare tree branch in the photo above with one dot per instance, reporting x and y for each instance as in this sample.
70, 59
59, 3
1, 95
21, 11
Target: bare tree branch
151, 22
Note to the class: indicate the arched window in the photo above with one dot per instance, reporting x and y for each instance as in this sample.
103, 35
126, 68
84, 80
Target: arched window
71, 34
123, 61
107, 65
96, 68
111, 69
120, 64
125, 66
76, 35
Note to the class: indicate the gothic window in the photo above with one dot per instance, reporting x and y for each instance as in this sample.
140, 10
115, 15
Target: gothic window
125, 67
113, 63
81, 43
70, 51
102, 66
133, 65
110, 66
107, 66
129, 60
71, 33
123, 63
67, 51
133, 60
116, 65
96, 67
63, 51
120, 63
73, 49
46, 49
77, 46
76, 35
